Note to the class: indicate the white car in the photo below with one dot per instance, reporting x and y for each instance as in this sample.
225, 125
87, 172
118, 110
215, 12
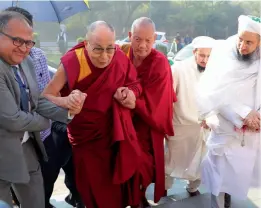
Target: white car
184, 53
161, 37
51, 70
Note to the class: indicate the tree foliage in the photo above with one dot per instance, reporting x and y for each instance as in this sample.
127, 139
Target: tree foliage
214, 18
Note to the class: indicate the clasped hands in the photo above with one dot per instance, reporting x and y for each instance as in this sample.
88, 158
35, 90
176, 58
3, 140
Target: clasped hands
125, 97
204, 125
252, 121
74, 102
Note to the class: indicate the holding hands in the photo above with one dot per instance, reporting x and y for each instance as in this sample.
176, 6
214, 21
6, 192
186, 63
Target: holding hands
75, 101
252, 121
204, 124
125, 97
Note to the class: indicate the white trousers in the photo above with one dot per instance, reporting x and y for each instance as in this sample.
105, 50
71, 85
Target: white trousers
218, 201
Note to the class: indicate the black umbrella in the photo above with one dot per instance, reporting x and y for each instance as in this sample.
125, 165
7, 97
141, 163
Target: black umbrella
49, 11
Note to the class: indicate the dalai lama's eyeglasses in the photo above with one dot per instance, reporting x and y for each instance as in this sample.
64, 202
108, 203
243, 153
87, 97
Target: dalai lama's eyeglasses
100, 50
19, 41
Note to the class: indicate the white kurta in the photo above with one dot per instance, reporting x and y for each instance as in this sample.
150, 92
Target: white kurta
185, 149
228, 166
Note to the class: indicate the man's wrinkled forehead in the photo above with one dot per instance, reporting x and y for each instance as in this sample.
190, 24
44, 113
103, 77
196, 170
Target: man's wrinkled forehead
102, 39
17, 24
248, 36
143, 26
146, 31
205, 51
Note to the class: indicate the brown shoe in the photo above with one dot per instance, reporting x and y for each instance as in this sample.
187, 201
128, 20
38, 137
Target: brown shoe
191, 194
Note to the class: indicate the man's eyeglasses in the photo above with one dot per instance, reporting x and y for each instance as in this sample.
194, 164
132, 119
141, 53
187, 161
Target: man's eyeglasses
19, 41
100, 50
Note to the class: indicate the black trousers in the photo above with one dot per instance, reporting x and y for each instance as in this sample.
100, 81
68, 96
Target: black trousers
59, 152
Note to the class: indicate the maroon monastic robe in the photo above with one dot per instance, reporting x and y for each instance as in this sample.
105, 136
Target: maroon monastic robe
105, 147
153, 118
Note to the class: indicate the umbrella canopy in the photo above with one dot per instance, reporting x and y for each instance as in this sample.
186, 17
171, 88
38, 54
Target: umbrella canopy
49, 11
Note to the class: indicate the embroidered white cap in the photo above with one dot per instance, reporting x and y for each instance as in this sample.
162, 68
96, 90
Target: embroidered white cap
203, 42
249, 23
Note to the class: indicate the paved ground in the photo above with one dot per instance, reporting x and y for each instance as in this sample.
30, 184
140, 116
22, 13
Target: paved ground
177, 197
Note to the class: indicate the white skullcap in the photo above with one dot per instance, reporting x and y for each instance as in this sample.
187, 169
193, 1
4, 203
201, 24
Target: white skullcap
203, 42
249, 23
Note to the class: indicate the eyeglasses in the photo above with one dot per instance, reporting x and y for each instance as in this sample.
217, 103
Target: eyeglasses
19, 41
100, 50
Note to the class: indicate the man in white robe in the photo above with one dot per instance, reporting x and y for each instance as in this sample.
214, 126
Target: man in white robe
229, 96
185, 149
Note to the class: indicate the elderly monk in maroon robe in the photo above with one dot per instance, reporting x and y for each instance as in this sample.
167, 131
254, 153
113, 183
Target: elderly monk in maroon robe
154, 109
105, 147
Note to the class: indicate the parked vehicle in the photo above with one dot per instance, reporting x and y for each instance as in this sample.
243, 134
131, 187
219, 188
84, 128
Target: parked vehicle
52, 68
183, 54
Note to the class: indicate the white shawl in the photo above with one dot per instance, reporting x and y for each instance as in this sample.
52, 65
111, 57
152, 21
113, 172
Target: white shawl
225, 78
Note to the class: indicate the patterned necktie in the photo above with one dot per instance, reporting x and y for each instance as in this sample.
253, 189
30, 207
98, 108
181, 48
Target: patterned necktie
24, 100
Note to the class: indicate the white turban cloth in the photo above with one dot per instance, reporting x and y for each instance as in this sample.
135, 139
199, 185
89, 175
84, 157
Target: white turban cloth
203, 42
249, 23
225, 78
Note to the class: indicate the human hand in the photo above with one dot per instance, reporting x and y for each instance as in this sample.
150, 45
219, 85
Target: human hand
121, 94
75, 101
204, 124
252, 121
125, 97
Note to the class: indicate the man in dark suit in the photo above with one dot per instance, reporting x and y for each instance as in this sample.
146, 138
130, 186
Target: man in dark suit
23, 114
55, 141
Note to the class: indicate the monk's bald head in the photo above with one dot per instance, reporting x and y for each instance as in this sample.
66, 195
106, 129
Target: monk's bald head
143, 22
142, 37
98, 29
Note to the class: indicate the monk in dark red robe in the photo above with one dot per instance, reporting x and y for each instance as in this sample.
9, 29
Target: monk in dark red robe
105, 148
154, 109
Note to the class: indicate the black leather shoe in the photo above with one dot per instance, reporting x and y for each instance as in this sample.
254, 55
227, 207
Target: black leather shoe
49, 206
73, 202
196, 193
227, 200
80, 205
70, 200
